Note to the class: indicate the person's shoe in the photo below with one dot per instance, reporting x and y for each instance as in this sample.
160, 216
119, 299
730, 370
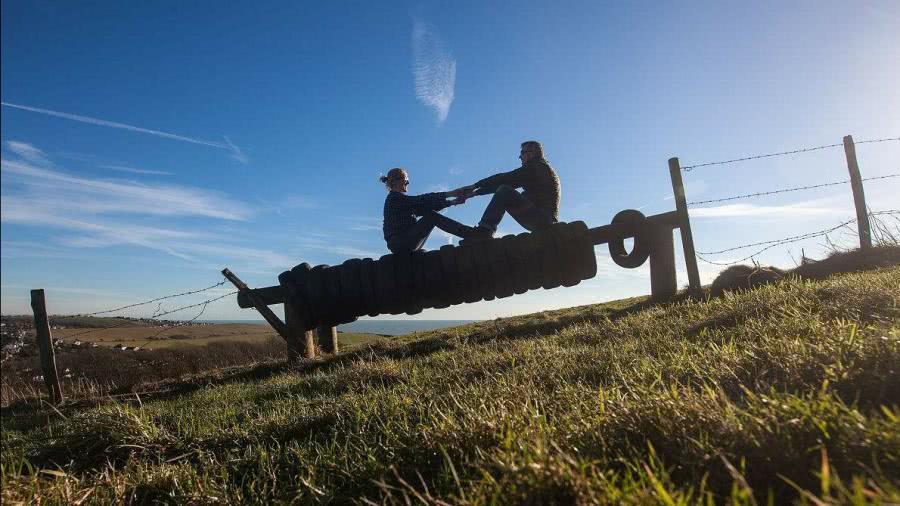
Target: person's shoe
478, 233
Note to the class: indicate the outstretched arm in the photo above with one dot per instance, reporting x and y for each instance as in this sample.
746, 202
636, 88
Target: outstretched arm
421, 204
489, 184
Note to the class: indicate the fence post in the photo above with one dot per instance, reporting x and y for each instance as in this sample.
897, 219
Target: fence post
684, 225
859, 197
328, 339
663, 280
301, 342
45, 340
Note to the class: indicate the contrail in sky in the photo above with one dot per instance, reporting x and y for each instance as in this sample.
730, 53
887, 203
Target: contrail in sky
227, 145
434, 70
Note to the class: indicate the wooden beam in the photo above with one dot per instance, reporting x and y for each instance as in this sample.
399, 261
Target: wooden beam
605, 233
263, 309
268, 296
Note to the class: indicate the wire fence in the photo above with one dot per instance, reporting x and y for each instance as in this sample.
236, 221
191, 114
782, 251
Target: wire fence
688, 168
155, 316
787, 240
786, 190
769, 244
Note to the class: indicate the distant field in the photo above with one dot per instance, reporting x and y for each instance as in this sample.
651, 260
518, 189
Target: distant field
190, 335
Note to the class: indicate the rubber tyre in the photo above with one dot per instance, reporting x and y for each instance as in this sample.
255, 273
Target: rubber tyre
350, 286
385, 291
468, 274
452, 293
403, 280
641, 250
367, 283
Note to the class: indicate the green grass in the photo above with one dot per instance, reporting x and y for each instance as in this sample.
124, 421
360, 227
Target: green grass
788, 393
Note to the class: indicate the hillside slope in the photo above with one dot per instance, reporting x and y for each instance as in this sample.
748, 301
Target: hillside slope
791, 390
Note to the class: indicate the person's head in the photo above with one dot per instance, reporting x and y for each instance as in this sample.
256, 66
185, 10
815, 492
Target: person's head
530, 151
396, 180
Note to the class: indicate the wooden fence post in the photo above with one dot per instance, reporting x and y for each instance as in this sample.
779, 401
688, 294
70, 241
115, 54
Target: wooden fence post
663, 280
45, 340
301, 342
328, 339
859, 196
684, 224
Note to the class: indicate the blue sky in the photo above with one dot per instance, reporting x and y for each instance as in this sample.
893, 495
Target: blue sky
148, 145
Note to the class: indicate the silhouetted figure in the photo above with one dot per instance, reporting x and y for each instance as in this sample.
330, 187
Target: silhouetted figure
402, 231
535, 208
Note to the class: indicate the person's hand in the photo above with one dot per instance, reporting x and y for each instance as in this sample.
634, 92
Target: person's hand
463, 191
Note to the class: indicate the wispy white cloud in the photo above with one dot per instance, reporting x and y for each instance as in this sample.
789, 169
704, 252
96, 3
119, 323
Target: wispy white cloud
65, 194
233, 150
751, 210
28, 153
434, 69
132, 170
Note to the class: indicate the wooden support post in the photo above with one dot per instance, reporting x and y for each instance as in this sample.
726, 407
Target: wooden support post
859, 196
684, 224
328, 339
301, 342
263, 309
45, 340
663, 280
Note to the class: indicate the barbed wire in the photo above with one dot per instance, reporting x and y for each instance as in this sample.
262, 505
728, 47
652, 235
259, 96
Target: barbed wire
202, 310
157, 299
156, 316
786, 190
688, 168
777, 242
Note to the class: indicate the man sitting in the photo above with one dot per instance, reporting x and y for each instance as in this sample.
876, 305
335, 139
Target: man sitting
535, 208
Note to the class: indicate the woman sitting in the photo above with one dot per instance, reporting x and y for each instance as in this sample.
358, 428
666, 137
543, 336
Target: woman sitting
402, 231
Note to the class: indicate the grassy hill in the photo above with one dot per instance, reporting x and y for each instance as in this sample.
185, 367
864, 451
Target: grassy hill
789, 392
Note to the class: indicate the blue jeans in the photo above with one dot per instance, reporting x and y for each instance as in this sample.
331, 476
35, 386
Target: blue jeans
414, 237
507, 200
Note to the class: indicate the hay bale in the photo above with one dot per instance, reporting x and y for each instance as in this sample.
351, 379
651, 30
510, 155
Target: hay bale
850, 261
744, 277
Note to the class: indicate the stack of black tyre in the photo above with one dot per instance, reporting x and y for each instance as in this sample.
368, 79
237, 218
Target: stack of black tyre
561, 255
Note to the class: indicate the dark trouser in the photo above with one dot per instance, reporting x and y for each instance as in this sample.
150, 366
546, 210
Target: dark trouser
507, 199
414, 237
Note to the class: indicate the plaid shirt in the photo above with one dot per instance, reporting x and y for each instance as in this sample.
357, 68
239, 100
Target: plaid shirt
400, 210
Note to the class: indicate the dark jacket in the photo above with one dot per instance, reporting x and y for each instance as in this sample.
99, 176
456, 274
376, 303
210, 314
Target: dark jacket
400, 210
538, 180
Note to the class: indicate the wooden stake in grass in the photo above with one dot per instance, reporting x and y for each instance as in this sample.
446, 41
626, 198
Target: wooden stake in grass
45, 340
663, 280
328, 339
859, 196
684, 225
